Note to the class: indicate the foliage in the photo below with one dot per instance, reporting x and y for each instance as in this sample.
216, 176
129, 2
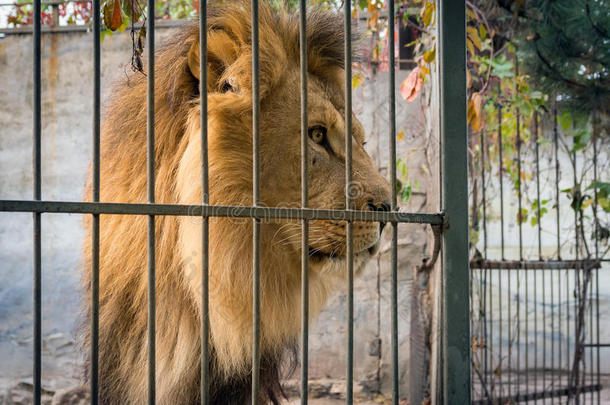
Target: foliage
78, 12
565, 45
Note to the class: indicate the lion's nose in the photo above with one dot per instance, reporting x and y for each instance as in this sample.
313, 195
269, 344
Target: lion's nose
384, 206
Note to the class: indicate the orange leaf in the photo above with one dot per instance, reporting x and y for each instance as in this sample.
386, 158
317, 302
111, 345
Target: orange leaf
475, 112
112, 14
372, 22
411, 86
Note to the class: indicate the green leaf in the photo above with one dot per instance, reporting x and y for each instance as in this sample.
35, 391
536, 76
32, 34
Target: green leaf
565, 120
405, 195
522, 216
402, 168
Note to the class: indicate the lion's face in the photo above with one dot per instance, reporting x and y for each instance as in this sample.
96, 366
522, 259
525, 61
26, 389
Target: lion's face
230, 100
282, 140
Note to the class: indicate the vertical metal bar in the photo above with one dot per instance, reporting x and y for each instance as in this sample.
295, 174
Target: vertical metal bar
552, 332
500, 343
557, 200
484, 203
393, 203
538, 217
348, 202
518, 337
544, 334
472, 316
527, 319
205, 199
256, 224
568, 326
485, 336
590, 335
304, 204
595, 202
597, 363
536, 372
150, 18
36, 163
559, 324
454, 201
501, 180
95, 225
510, 334
578, 298
519, 188
491, 334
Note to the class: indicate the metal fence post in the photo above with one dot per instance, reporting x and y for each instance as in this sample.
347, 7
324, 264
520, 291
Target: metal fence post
454, 201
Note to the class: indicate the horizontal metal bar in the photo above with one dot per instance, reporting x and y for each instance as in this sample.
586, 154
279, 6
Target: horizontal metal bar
27, 30
601, 345
535, 264
562, 392
216, 211
44, 3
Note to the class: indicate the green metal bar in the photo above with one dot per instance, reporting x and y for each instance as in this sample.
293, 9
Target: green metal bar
393, 202
264, 213
37, 195
256, 222
454, 201
150, 175
205, 199
95, 220
304, 204
347, 8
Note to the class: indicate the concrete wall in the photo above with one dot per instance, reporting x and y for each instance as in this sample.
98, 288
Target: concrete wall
66, 150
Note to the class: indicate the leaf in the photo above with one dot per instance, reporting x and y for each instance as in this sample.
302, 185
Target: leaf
533, 221
602, 187
401, 135
402, 167
427, 14
471, 14
357, 80
475, 112
586, 203
473, 35
131, 5
405, 195
522, 216
372, 21
482, 31
565, 120
412, 85
470, 47
430, 55
112, 14
604, 203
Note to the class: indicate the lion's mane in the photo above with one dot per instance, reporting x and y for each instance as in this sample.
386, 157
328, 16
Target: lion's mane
123, 238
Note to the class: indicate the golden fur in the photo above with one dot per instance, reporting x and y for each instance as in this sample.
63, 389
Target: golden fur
123, 238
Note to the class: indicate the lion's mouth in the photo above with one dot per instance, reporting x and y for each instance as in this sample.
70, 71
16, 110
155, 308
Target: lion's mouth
319, 255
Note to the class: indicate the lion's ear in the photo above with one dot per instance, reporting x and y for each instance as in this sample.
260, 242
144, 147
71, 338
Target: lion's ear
222, 52
193, 59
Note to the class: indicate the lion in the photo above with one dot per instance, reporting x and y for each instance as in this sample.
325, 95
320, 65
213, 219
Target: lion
123, 238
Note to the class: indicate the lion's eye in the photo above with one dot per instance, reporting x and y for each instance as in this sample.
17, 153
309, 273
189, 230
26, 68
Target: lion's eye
318, 134
226, 86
